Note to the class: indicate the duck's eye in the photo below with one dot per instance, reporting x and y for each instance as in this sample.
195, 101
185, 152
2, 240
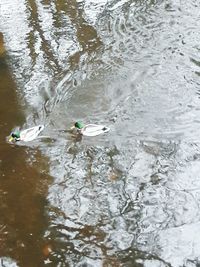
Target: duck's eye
15, 135
79, 125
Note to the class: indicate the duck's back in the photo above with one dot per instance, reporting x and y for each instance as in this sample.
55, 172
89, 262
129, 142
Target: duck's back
31, 133
94, 129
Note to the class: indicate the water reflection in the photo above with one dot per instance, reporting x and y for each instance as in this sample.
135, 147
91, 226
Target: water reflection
128, 198
23, 185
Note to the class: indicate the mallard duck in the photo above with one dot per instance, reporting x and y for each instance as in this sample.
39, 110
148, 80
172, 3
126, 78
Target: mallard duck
26, 135
90, 129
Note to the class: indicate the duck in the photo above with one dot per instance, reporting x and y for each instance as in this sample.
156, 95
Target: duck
90, 129
26, 135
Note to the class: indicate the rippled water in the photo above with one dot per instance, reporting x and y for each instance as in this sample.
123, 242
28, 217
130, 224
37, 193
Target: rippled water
127, 198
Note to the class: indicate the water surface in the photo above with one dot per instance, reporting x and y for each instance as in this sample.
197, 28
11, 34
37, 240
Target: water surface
128, 198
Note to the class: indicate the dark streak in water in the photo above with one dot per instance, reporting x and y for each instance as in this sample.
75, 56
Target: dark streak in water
34, 21
23, 185
128, 198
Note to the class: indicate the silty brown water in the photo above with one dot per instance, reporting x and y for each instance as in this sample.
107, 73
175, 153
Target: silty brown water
128, 198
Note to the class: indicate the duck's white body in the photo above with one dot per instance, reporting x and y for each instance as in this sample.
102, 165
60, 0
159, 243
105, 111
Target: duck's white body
94, 129
31, 133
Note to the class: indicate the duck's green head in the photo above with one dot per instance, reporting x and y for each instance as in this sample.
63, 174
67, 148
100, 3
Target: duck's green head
15, 136
79, 125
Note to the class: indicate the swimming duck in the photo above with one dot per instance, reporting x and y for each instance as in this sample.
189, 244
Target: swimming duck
26, 135
90, 129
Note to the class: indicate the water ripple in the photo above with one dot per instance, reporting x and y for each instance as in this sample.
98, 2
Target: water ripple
131, 196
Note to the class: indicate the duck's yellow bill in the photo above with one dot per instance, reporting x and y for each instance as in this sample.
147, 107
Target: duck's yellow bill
10, 139
72, 128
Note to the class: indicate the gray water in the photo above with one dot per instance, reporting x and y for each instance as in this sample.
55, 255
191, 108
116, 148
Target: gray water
128, 198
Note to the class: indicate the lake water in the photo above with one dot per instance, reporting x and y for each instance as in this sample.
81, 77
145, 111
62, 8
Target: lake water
128, 198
